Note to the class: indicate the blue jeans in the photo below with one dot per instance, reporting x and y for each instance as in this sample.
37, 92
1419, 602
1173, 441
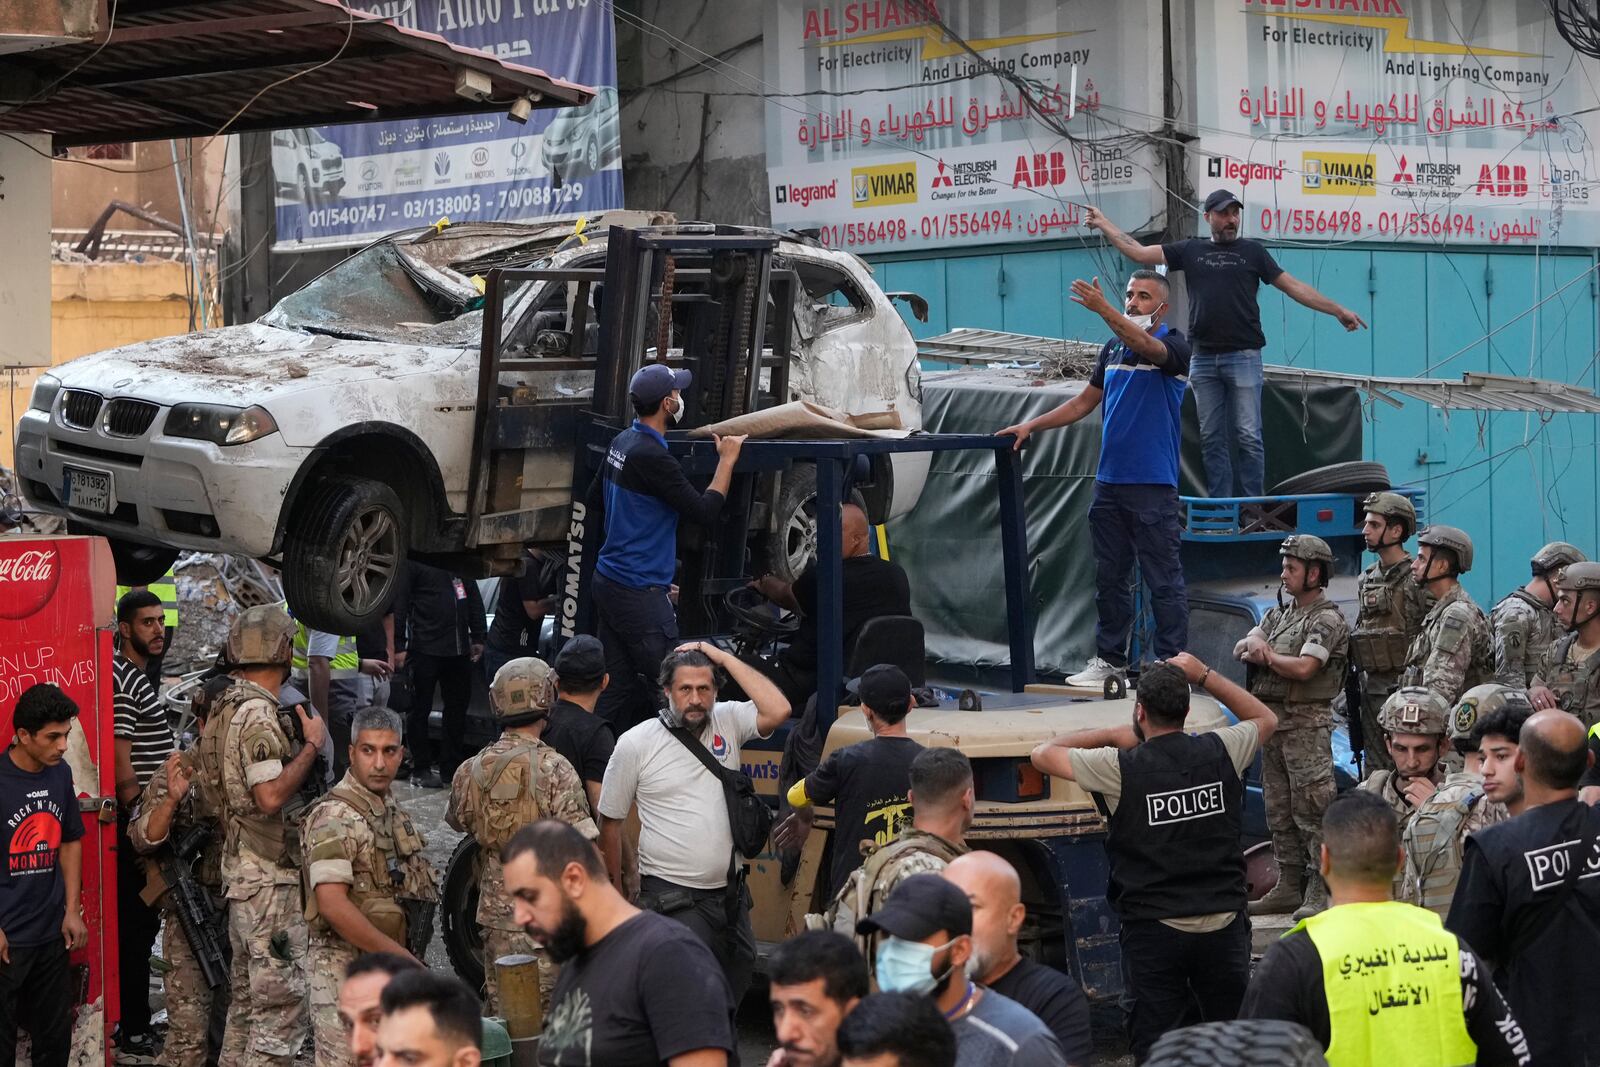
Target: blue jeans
1128, 523
1227, 394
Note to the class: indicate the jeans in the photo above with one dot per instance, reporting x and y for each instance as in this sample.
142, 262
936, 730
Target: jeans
1168, 971
1227, 394
36, 991
1128, 523
452, 676
637, 628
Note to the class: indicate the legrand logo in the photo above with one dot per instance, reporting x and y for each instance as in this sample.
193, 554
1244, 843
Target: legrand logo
1181, 805
806, 195
885, 184
1338, 174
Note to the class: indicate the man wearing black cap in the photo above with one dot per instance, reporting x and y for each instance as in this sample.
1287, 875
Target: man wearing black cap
643, 491
927, 942
573, 729
1225, 326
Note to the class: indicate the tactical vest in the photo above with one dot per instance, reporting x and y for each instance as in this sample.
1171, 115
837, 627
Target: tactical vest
1380, 638
1573, 683
505, 802
1287, 638
275, 839
864, 892
1433, 841
1174, 836
345, 664
396, 869
1541, 633
1480, 661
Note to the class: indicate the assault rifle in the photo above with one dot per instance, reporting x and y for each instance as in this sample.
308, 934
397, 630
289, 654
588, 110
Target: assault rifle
171, 874
1353, 717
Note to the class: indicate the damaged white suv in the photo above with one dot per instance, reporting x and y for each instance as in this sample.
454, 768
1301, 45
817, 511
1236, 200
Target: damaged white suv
335, 434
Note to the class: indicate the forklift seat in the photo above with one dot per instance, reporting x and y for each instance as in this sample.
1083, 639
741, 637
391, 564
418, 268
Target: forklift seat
895, 639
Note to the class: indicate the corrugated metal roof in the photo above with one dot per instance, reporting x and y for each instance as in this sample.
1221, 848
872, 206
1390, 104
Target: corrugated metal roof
184, 69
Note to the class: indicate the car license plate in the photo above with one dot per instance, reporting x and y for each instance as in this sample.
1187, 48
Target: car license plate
89, 490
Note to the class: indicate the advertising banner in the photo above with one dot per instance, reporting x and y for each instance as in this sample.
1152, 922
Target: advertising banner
344, 185
1439, 121
898, 124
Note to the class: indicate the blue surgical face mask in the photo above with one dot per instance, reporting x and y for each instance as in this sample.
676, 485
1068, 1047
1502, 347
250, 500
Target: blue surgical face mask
907, 966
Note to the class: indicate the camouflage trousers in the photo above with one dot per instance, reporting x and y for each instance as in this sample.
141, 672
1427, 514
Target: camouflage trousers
1297, 779
328, 959
497, 943
267, 1019
188, 999
1375, 689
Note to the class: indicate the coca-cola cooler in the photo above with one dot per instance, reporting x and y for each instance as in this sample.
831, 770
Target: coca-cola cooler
57, 625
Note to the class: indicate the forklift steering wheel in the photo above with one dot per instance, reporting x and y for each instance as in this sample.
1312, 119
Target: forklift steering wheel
749, 607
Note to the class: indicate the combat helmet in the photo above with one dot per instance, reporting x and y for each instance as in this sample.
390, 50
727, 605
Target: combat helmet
1583, 577
1555, 556
1414, 709
1309, 549
1394, 507
1453, 538
1479, 702
522, 691
262, 636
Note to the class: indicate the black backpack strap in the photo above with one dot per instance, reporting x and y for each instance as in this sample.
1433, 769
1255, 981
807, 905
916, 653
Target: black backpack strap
720, 773
688, 740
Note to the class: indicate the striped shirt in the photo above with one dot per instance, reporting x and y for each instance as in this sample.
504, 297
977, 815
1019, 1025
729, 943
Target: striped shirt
139, 716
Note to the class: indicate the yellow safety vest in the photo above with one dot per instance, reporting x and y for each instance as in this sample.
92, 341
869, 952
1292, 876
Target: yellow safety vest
346, 662
164, 587
1392, 975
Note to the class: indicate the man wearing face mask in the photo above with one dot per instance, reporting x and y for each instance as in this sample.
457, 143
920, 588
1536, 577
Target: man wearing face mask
1390, 606
1140, 430
1569, 672
1454, 651
641, 492
925, 949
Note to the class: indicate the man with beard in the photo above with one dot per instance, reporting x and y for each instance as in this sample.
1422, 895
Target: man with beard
143, 741
1569, 672
1414, 721
636, 989
429, 1020
816, 978
360, 994
1225, 322
1390, 606
688, 867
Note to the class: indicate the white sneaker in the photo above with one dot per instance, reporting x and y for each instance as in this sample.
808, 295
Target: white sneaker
1095, 674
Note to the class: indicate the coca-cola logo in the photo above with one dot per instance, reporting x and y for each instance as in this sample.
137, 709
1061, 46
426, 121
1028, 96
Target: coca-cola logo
28, 579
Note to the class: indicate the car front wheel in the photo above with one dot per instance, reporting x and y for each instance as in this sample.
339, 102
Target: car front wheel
343, 553
458, 912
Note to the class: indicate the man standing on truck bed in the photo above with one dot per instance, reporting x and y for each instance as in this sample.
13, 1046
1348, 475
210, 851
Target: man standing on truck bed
642, 493
1225, 323
1389, 610
1138, 387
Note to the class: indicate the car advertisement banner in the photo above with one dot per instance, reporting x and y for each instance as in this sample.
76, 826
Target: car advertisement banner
1439, 121
344, 185
898, 124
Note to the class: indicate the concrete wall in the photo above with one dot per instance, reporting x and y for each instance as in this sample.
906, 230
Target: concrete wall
25, 221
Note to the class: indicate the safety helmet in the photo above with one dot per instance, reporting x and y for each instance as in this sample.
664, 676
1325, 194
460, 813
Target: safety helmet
1414, 709
1309, 549
1452, 538
1481, 701
1394, 507
522, 691
1580, 577
1554, 556
262, 636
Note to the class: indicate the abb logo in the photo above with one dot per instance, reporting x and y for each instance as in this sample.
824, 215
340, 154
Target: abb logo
1040, 169
1502, 179
28, 579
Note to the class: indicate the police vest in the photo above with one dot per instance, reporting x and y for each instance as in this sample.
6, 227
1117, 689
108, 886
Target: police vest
1433, 840
1392, 975
396, 869
504, 803
274, 838
1573, 683
1288, 637
345, 664
1381, 635
1174, 840
166, 588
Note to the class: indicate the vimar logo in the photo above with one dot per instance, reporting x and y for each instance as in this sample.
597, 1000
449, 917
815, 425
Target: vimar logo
882, 185
1338, 174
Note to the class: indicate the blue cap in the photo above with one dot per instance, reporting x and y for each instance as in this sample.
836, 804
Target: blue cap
654, 381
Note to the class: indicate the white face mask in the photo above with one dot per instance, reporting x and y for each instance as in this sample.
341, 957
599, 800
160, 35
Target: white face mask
676, 414
1144, 322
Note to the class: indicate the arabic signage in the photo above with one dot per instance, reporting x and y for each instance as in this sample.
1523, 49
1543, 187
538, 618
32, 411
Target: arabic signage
343, 185
1438, 121
891, 133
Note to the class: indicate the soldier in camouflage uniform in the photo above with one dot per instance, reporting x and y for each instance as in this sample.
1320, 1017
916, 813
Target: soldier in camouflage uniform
1390, 606
1298, 657
1569, 672
1524, 623
1434, 835
248, 759
515, 781
1454, 651
168, 809
942, 801
1414, 722
368, 886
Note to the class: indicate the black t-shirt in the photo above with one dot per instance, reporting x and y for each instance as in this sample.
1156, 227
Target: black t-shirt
872, 587
867, 785
647, 991
1287, 984
39, 812
584, 738
512, 631
1223, 313
1056, 999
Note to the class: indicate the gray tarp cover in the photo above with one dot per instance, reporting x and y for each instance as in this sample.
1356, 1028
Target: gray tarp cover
950, 543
